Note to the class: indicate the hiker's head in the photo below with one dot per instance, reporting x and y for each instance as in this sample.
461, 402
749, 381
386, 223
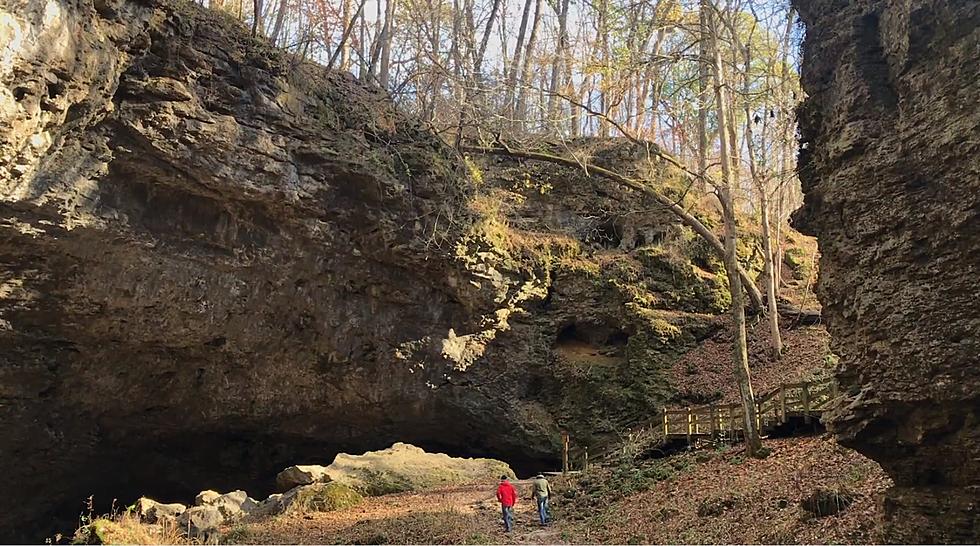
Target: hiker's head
539, 476
503, 478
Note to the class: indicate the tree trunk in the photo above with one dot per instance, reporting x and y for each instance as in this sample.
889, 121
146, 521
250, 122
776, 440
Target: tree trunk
387, 34
481, 53
521, 111
703, 76
344, 42
556, 64
516, 64
760, 181
256, 16
280, 18
740, 352
776, 341
343, 46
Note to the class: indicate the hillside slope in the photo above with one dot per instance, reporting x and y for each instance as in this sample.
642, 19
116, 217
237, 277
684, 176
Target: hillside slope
703, 498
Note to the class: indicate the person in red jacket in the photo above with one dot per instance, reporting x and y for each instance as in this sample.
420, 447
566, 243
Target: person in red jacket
507, 496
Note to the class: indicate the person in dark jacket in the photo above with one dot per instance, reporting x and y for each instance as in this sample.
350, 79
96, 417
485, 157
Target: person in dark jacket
541, 492
507, 496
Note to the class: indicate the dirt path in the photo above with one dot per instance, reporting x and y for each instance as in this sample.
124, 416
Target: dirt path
460, 514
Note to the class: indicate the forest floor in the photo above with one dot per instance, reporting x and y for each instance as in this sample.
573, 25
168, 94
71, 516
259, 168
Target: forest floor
706, 496
704, 374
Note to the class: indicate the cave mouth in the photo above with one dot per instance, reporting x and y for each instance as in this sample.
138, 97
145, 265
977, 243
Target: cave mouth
177, 467
581, 339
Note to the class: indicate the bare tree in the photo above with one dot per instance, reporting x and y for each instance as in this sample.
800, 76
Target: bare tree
742, 373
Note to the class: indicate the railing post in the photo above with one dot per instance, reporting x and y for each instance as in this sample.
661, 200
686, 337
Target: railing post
758, 418
806, 403
564, 452
690, 425
712, 408
782, 403
733, 418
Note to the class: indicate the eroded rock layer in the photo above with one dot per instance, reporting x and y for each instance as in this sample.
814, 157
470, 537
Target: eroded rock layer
890, 163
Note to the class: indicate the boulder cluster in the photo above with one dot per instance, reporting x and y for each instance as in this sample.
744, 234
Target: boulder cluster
212, 509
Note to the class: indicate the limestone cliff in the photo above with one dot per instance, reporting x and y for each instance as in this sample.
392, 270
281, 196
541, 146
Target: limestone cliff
218, 261
890, 163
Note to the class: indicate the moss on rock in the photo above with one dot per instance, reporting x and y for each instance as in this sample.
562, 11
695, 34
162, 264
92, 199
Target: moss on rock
325, 497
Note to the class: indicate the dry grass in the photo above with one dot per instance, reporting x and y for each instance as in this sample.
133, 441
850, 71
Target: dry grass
127, 528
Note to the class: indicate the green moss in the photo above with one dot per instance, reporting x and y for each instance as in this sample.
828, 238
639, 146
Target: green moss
326, 498
797, 261
239, 534
476, 175
665, 330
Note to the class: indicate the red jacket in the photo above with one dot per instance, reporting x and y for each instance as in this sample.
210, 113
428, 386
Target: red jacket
506, 494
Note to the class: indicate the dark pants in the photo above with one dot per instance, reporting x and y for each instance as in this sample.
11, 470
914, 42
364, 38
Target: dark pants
508, 513
543, 512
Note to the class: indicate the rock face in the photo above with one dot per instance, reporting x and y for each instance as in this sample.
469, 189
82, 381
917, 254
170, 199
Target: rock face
297, 475
216, 260
157, 512
890, 165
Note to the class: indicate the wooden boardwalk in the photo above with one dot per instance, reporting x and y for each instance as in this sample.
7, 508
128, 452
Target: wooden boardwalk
714, 421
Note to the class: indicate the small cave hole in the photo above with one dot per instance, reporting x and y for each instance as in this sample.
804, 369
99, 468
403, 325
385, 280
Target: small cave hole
21, 93
590, 341
55, 89
606, 234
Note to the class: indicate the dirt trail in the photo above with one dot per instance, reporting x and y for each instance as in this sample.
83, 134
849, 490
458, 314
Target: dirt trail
467, 514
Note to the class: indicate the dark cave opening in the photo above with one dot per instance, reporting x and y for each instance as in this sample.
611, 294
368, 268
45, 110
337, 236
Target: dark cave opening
596, 337
607, 234
177, 467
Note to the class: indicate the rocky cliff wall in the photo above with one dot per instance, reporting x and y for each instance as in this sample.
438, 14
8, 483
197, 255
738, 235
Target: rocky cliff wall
217, 261
890, 164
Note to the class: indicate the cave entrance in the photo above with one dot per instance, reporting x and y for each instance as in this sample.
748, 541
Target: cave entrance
607, 234
175, 468
591, 341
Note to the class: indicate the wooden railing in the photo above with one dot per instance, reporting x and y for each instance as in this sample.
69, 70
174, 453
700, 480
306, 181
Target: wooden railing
807, 400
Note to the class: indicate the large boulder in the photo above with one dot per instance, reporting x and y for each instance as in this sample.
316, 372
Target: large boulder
232, 505
152, 511
297, 475
201, 522
889, 163
404, 467
272, 505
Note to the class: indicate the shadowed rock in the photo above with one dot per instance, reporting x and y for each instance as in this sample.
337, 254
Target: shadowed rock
889, 163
